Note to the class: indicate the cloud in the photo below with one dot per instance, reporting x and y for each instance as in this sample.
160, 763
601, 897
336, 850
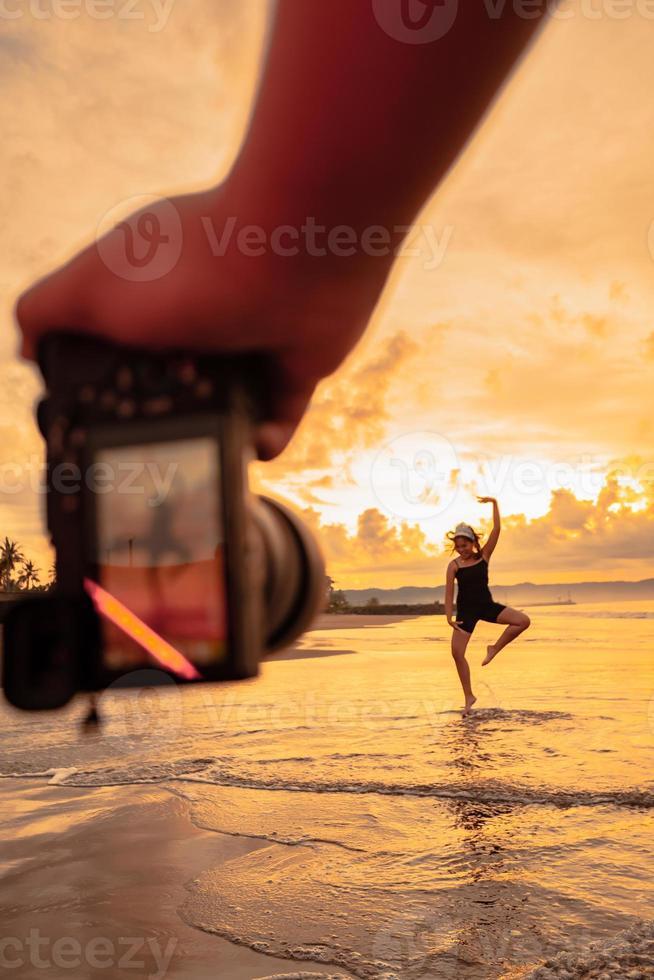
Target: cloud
348, 413
533, 338
375, 548
15, 50
557, 376
576, 540
596, 325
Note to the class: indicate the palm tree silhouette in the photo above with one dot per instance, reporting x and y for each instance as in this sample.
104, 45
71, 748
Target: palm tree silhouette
29, 577
10, 556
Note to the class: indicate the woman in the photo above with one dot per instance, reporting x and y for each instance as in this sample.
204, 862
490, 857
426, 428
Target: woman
474, 600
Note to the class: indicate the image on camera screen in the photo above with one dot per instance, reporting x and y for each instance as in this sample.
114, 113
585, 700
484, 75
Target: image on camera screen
160, 550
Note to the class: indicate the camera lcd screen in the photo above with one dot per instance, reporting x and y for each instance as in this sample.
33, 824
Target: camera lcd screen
160, 553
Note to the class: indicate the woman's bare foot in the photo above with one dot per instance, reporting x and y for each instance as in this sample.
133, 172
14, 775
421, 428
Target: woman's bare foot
470, 700
491, 652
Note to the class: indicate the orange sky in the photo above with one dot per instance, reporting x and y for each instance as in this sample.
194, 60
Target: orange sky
512, 357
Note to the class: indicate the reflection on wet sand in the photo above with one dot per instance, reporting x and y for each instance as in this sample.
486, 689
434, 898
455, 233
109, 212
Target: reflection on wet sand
380, 833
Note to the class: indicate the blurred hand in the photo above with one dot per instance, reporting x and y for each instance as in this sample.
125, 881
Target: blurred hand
171, 275
351, 126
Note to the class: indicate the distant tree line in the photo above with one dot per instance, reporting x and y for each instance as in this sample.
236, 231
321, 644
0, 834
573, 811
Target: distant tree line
336, 602
18, 573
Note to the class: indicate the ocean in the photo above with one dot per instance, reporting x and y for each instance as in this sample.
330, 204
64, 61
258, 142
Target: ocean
391, 836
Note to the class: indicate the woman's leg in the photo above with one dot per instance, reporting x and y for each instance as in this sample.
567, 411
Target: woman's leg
460, 641
518, 623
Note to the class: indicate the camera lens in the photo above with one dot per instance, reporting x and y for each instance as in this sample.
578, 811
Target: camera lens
294, 589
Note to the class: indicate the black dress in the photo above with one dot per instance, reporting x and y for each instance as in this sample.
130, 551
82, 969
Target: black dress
474, 600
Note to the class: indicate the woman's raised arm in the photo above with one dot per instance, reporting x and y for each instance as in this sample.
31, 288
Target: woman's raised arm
489, 547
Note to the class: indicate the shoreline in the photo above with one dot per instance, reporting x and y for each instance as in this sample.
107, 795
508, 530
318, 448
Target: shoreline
85, 867
334, 621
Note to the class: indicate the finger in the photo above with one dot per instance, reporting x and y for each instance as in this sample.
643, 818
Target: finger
272, 439
56, 301
289, 399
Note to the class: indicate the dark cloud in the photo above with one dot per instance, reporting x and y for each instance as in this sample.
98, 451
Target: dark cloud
17, 51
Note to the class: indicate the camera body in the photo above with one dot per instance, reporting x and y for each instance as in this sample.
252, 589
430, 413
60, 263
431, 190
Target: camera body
164, 558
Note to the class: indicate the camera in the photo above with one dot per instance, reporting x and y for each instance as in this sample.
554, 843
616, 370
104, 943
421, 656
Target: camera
164, 557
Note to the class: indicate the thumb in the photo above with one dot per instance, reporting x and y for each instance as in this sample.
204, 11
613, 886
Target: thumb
292, 383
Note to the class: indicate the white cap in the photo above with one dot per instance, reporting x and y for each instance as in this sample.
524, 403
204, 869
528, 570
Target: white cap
464, 531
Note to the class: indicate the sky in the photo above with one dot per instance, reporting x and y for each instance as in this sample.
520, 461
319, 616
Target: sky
512, 353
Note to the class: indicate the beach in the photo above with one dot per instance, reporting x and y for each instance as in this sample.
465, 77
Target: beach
338, 817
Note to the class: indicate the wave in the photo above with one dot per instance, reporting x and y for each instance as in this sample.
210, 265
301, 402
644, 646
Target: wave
221, 772
489, 792
607, 613
518, 714
304, 976
156, 772
629, 953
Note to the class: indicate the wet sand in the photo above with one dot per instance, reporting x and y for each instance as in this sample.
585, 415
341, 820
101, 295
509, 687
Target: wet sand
93, 880
326, 822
